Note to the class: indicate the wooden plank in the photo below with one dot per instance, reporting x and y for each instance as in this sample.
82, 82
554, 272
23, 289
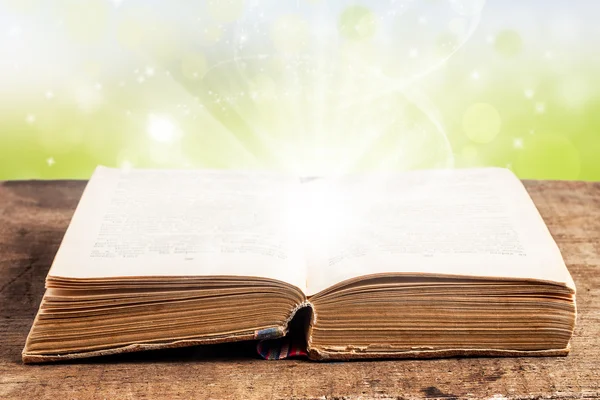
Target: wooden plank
34, 216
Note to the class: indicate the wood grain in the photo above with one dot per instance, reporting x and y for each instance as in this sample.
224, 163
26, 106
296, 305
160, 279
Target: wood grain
34, 216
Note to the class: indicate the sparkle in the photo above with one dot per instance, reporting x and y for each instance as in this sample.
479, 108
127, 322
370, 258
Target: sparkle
98, 86
475, 75
529, 93
50, 161
49, 94
413, 53
141, 79
161, 128
540, 108
518, 143
422, 20
149, 71
30, 118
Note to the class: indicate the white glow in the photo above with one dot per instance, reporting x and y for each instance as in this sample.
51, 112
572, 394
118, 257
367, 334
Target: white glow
518, 143
529, 93
161, 128
540, 108
317, 213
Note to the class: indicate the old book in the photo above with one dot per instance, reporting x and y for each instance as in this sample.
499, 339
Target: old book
414, 264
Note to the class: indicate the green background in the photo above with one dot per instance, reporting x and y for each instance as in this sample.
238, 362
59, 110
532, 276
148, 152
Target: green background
304, 87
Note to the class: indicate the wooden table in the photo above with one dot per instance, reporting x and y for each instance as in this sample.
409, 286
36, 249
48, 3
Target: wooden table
34, 216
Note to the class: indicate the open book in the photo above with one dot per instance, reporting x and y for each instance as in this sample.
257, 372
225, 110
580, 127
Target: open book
415, 264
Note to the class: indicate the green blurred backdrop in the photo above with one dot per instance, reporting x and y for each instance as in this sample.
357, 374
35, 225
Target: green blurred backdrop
305, 86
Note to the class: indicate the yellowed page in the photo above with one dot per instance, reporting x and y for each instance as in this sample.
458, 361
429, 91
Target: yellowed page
475, 222
179, 223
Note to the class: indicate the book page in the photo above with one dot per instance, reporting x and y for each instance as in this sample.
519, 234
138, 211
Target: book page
183, 223
476, 222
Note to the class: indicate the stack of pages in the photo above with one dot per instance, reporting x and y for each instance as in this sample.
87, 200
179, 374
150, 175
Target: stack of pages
415, 264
